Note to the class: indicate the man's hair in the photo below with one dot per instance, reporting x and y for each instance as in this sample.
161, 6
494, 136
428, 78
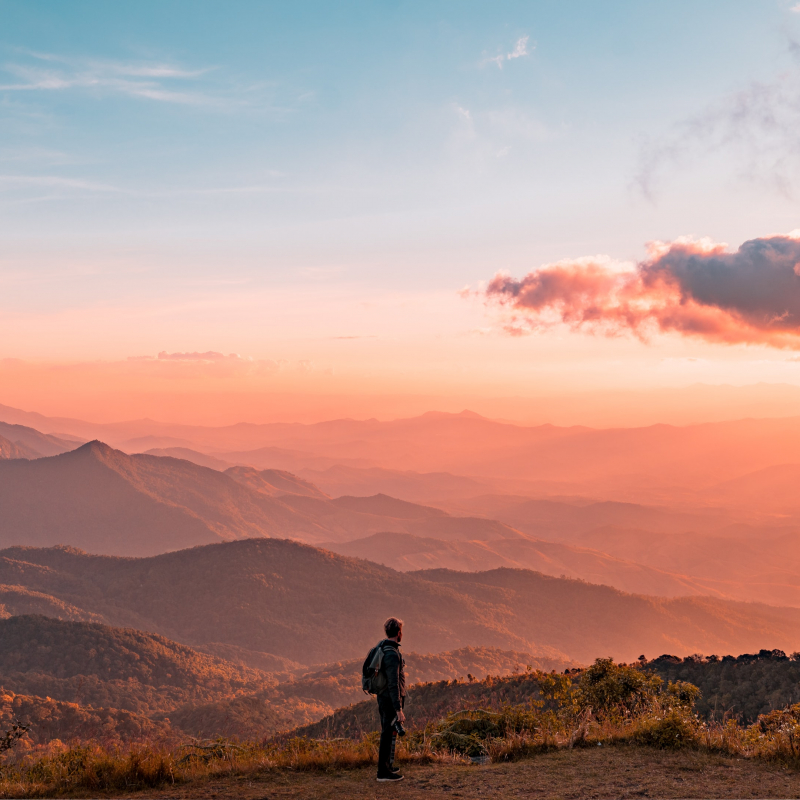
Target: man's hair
392, 627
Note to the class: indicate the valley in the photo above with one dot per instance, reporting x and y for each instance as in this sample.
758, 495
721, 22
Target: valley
201, 590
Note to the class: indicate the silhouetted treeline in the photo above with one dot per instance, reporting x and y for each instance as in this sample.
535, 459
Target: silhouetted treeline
741, 686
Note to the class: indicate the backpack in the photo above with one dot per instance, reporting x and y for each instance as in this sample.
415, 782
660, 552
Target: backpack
373, 676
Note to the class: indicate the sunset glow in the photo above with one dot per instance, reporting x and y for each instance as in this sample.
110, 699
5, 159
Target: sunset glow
331, 206
399, 391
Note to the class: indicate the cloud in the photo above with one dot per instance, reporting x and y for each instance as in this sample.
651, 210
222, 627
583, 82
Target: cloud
151, 81
520, 50
693, 288
54, 182
757, 127
795, 8
211, 363
207, 356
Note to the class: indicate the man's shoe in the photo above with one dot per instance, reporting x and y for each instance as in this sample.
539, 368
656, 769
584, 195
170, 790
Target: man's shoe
394, 769
389, 777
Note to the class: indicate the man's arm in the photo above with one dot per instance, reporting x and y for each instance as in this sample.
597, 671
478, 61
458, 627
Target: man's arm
391, 661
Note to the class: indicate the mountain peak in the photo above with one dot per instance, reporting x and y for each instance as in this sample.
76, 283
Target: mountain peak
95, 447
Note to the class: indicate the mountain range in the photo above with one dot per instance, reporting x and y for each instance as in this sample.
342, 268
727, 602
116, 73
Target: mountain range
141, 682
106, 501
20, 441
311, 606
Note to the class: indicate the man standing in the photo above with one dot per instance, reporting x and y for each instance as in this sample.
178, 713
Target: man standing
391, 699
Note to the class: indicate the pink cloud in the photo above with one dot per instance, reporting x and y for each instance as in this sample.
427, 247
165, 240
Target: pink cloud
692, 288
207, 356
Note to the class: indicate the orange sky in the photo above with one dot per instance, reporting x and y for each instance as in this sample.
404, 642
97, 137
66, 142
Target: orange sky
341, 228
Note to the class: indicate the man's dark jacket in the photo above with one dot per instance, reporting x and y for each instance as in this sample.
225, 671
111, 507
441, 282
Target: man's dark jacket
395, 674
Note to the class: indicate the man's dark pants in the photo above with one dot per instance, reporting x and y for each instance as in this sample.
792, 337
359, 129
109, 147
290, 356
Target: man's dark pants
388, 734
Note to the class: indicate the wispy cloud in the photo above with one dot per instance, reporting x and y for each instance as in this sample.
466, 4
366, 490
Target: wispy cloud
157, 81
210, 355
54, 182
757, 126
520, 49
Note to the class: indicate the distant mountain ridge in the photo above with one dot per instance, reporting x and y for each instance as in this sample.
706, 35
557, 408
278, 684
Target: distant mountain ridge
9, 449
312, 606
187, 454
406, 552
24, 442
274, 482
105, 501
608, 460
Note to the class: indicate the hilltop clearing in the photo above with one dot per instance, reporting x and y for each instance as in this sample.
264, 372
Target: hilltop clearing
312, 606
610, 717
605, 772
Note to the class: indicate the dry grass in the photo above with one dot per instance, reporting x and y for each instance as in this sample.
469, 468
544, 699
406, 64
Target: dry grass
598, 772
617, 732
605, 760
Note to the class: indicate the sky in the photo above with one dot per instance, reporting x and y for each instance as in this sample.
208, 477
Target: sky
204, 205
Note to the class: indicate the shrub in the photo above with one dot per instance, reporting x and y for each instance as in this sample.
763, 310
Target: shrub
675, 729
612, 690
468, 732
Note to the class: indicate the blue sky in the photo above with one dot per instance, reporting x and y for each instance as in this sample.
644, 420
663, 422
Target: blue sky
162, 153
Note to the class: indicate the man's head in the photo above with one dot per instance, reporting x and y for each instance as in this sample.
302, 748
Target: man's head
393, 628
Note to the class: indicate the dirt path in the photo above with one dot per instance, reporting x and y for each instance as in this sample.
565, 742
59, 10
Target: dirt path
620, 772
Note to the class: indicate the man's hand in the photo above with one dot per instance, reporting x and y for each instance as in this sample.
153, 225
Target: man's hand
401, 716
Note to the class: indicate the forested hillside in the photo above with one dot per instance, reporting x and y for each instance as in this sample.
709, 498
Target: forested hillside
50, 719
72, 677
308, 605
742, 687
100, 666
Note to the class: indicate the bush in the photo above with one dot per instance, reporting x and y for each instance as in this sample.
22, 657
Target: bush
675, 729
468, 732
608, 688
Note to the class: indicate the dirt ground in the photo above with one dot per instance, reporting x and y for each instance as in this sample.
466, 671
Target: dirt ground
609, 772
